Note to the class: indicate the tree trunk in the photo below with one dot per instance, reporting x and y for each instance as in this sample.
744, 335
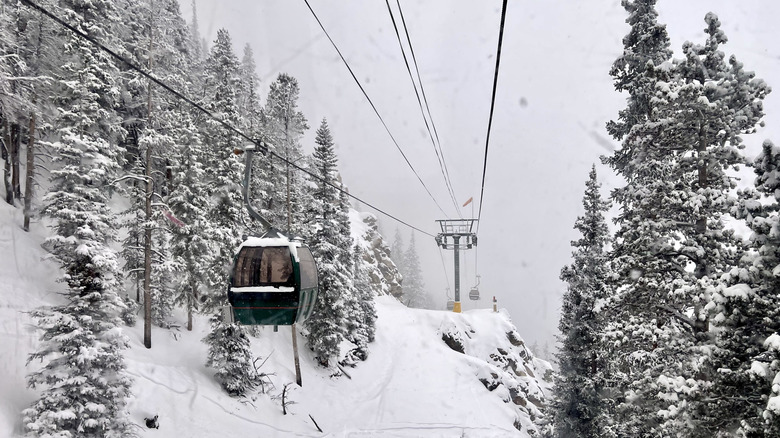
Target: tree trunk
193, 297
701, 168
16, 145
29, 178
702, 269
148, 251
9, 191
148, 204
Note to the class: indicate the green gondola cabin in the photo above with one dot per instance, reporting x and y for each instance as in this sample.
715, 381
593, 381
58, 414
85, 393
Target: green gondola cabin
273, 282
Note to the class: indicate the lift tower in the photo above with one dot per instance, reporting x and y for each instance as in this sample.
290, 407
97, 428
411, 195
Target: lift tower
457, 234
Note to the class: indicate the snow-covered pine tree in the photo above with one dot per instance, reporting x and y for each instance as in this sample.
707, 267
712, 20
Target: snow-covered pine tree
189, 204
285, 126
162, 292
327, 325
230, 356
224, 170
747, 316
637, 326
704, 113
179, 177
170, 131
153, 118
577, 402
26, 40
414, 285
645, 48
364, 332
83, 381
360, 308
263, 184
12, 101
672, 247
226, 215
198, 49
248, 99
133, 243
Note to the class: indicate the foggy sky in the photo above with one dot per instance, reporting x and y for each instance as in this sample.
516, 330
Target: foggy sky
554, 98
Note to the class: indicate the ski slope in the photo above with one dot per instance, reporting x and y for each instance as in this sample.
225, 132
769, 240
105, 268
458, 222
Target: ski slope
412, 383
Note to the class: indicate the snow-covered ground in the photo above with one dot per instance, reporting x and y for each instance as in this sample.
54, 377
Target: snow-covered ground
412, 383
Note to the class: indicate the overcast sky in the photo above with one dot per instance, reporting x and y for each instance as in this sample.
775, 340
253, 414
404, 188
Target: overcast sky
554, 98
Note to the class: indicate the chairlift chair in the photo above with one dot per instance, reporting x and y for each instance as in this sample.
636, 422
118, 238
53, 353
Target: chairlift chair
474, 292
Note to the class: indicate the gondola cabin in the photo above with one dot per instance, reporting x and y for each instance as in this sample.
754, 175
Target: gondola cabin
450, 304
474, 294
273, 282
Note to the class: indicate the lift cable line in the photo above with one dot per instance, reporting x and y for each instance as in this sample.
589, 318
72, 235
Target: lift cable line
373, 106
422, 91
444, 266
439, 156
492, 107
200, 108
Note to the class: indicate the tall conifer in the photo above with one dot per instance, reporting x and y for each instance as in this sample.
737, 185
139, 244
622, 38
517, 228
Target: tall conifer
327, 325
577, 402
83, 382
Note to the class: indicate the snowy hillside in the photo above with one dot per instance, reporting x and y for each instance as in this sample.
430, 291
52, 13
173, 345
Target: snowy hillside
412, 384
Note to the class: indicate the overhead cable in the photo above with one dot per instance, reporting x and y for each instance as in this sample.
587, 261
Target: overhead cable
425, 98
373, 106
439, 157
492, 107
200, 108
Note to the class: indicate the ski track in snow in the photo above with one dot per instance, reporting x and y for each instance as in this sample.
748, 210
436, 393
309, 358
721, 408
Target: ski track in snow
425, 429
164, 385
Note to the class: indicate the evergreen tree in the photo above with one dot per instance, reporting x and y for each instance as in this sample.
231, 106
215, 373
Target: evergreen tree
645, 48
230, 356
13, 102
577, 402
84, 383
414, 285
222, 168
248, 101
29, 54
644, 267
285, 126
153, 119
198, 48
706, 111
747, 316
327, 326
672, 247
225, 216
189, 204
364, 331
360, 309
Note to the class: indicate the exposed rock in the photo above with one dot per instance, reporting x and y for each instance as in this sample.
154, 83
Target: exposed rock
514, 339
453, 343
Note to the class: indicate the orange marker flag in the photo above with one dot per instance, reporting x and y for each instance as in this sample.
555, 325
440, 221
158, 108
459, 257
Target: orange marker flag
469, 201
